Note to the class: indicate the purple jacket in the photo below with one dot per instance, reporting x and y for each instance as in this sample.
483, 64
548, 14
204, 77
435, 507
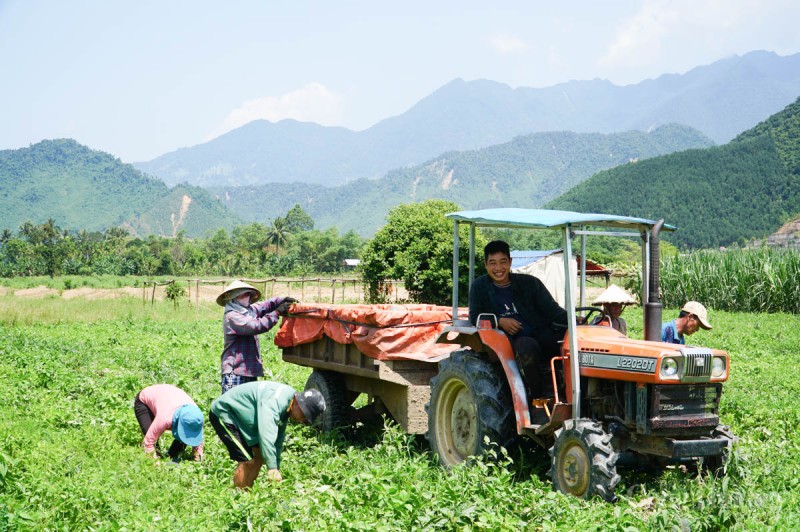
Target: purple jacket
242, 354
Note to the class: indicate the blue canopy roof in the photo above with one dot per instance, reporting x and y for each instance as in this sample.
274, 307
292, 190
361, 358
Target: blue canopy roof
544, 218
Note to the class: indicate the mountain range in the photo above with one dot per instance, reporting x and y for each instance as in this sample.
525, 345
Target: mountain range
720, 100
526, 172
717, 195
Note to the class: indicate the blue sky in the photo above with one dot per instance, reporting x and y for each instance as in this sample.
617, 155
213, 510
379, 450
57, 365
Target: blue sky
141, 78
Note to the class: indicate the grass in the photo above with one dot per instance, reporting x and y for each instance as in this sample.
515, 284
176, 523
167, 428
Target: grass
70, 455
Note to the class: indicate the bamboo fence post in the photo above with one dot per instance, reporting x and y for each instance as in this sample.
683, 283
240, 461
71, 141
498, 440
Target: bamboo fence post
319, 289
153, 297
302, 288
196, 296
174, 301
272, 287
333, 292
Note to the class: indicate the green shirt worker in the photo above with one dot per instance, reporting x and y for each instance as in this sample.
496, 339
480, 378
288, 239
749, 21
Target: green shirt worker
251, 420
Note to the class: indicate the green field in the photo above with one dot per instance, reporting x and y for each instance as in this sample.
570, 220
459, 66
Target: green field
70, 455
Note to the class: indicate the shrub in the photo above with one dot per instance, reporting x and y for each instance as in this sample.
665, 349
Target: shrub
416, 245
174, 292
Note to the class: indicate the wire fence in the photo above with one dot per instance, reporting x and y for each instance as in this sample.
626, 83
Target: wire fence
317, 290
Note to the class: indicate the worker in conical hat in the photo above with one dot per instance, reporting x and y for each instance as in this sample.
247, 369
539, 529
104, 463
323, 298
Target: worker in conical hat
613, 300
243, 320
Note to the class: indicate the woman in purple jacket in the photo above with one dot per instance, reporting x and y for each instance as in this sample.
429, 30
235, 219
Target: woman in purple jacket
243, 320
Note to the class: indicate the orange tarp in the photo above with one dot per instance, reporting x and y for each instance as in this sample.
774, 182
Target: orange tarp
383, 332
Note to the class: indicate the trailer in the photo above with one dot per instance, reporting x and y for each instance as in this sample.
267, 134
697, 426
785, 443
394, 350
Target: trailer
387, 352
617, 400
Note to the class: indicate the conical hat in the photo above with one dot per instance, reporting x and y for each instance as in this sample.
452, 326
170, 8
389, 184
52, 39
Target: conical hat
235, 289
615, 294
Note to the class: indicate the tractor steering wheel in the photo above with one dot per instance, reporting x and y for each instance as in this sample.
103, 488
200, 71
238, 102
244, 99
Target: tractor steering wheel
591, 312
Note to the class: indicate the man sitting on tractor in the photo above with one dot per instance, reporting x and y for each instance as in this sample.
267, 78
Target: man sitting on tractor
525, 310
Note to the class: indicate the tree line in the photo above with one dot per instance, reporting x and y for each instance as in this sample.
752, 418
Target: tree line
288, 245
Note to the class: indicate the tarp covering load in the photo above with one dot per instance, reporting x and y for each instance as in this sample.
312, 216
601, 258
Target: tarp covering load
383, 332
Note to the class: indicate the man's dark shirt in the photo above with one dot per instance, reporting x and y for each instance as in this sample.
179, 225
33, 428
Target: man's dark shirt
537, 309
506, 308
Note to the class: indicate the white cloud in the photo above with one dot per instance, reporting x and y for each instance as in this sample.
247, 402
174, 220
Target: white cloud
554, 58
640, 39
312, 103
508, 44
697, 30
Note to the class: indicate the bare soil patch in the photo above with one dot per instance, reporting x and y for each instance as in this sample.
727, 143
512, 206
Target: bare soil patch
37, 292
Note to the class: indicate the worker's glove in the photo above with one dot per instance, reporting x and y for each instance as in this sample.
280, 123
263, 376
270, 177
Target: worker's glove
290, 300
283, 308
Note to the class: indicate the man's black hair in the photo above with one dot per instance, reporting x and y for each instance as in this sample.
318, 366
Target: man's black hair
496, 246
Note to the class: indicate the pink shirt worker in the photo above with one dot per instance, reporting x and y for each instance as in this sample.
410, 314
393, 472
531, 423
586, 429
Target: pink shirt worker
162, 407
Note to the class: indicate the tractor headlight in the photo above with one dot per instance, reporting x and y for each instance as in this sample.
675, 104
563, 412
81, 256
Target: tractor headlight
718, 367
669, 367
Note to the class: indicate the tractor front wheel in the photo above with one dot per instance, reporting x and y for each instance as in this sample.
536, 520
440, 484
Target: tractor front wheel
583, 460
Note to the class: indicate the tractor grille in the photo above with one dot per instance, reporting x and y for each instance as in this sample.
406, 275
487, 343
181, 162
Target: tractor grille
697, 363
685, 405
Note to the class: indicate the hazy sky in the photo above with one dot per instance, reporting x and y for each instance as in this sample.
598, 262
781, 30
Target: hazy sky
140, 78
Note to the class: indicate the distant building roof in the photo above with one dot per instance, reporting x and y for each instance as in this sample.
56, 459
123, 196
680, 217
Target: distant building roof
522, 258
351, 262
525, 257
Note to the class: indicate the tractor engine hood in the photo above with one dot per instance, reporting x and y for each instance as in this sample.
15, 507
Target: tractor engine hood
607, 353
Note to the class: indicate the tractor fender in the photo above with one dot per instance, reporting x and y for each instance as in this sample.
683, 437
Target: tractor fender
496, 344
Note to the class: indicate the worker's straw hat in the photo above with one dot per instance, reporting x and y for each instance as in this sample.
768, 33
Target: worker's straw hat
234, 290
615, 294
693, 307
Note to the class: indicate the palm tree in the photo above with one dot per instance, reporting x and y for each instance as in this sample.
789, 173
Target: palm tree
27, 230
278, 233
50, 230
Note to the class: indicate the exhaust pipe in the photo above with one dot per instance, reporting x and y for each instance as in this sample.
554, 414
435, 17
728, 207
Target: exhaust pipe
652, 309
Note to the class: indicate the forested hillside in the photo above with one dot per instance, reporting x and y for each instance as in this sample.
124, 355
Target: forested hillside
784, 130
85, 189
526, 172
719, 196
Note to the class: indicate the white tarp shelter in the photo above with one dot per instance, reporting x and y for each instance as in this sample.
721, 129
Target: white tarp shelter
548, 267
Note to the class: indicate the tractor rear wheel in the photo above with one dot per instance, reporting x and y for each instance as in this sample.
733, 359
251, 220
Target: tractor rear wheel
470, 402
331, 385
583, 460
